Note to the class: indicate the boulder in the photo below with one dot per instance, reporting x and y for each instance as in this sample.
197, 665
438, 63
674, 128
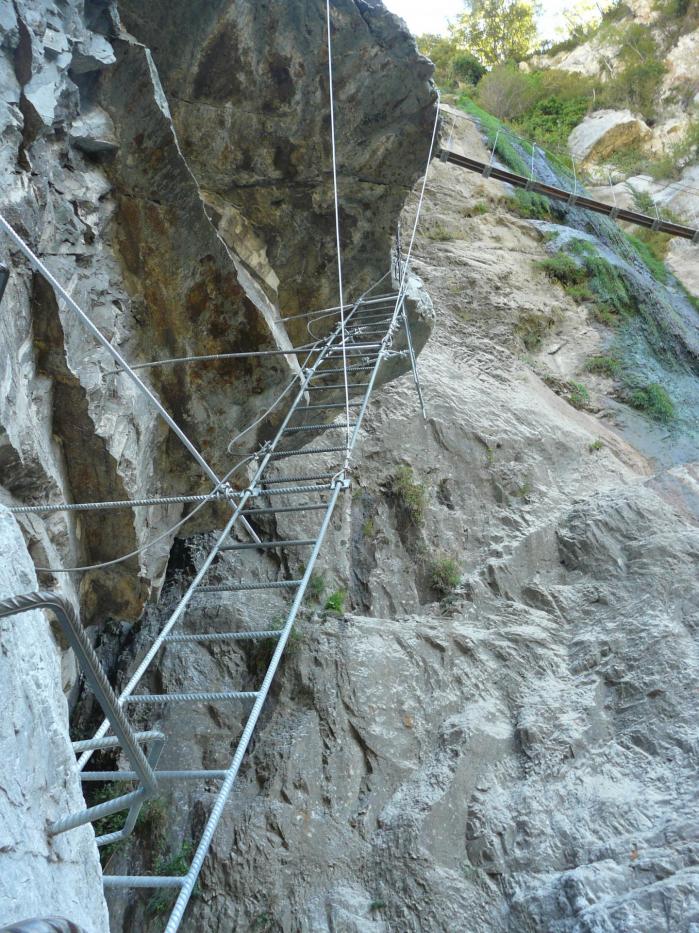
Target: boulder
605, 132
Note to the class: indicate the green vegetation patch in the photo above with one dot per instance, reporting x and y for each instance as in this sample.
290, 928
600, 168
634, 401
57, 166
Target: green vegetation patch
336, 601
444, 575
604, 365
409, 494
654, 401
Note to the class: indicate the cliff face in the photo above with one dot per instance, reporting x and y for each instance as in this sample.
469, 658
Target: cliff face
520, 754
174, 174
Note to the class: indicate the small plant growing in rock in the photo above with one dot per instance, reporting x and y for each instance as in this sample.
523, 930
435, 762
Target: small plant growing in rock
578, 396
316, 586
378, 904
369, 528
336, 601
444, 575
409, 494
595, 446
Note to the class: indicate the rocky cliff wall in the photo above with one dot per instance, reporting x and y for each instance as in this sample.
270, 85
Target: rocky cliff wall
519, 755
173, 247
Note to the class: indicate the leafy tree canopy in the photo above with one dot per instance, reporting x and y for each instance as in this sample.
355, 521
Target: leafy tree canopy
497, 31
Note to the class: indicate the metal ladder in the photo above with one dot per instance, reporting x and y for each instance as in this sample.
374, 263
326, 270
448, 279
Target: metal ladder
370, 327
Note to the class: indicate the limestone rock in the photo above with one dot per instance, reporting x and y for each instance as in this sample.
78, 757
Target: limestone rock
605, 132
41, 875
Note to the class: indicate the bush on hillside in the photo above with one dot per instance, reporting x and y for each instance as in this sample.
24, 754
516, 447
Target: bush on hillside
506, 92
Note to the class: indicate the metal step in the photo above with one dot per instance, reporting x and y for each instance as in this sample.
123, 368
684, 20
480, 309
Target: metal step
341, 385
190, 697
299, 479
304, 451
223, 636
328, 405
299, 542
331, 426
341, 369
267, 510
246, 587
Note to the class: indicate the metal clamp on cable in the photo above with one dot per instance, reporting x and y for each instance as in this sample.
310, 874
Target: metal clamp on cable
226, 491
695, 238
657, 223
264, 449
342, 479
614, 213
487, 170
444, 155
572, 199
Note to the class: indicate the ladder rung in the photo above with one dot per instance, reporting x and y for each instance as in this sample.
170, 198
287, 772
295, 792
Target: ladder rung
268, 509
300, 542
298, 479
328, 405
243, 587
191, 697
341, 385
224, 636
341, 369
277, 455
331, 426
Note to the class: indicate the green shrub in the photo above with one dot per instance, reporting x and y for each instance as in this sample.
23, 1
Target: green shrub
604, 365
409, 494
530, 206
562, 268
654, 401
595, 446
444, 575
651, 246
551, 120
336, 601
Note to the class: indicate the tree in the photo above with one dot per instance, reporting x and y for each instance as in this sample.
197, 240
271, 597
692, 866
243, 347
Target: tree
453, 65
497, 31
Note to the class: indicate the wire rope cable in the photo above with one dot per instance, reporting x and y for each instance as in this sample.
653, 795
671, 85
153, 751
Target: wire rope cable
212, 496
337, 225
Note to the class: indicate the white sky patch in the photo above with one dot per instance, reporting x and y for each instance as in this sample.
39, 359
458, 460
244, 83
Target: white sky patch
434, 15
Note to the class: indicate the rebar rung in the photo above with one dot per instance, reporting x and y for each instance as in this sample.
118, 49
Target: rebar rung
303, 451
224, 636
243, 587
299, 479
341, 385
300, 542
190, 697
327, 406
331, 426
286, 508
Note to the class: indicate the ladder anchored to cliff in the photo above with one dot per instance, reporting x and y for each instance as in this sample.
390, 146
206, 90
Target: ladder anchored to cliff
571, 198
321, 488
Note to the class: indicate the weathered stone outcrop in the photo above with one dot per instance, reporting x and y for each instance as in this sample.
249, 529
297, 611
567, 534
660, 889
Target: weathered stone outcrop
605, 132
39, 875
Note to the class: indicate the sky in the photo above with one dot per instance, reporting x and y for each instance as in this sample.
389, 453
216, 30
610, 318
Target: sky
432, 15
